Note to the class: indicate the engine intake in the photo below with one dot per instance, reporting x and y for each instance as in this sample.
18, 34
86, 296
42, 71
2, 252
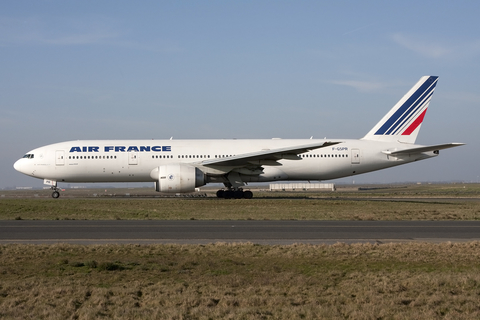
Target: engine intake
178, 177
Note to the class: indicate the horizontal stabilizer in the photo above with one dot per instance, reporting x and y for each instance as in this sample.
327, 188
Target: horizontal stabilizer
424, 149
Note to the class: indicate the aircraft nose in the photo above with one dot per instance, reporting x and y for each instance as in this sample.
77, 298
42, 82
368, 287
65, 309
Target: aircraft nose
19, 165
16, 165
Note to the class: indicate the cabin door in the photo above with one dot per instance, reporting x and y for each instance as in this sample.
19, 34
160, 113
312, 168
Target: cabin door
132, 158
59, 158
355, 156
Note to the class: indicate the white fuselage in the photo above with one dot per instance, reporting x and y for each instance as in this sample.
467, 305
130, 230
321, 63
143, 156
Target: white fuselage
134, 160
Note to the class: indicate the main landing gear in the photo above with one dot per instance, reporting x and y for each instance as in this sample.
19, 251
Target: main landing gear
234, 194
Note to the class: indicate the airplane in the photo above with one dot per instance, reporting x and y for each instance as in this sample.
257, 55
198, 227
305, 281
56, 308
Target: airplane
181, 166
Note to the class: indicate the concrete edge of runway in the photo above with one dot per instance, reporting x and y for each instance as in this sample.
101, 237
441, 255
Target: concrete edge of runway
231, 241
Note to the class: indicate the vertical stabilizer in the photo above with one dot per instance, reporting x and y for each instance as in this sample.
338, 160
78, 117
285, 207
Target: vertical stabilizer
402, 123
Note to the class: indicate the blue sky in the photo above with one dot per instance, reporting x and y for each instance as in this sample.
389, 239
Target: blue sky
237, 69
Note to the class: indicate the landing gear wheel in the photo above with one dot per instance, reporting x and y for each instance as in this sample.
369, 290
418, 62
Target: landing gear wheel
55, 194
238, 194
248, 194
234, 194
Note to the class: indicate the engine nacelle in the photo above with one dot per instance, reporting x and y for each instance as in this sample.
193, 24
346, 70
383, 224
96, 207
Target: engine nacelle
177, 177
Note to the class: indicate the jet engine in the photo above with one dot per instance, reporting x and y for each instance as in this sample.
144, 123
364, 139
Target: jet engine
177, 177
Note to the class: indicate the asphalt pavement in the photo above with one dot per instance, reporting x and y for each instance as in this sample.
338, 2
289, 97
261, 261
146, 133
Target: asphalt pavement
262, 232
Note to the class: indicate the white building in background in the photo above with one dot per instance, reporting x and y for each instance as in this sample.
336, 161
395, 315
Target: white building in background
302, 186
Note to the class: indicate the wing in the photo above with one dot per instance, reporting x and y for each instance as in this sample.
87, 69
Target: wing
267, 157
424, 149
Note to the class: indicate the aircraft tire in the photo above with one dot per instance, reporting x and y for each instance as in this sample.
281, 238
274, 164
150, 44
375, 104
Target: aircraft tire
238, 194
55, 194
248, 194
220, 193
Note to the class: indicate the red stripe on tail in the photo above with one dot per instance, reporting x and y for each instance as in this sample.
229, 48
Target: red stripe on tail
415, 124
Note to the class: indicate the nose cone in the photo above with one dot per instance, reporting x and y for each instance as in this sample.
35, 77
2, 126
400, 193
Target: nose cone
21, 166
17, 165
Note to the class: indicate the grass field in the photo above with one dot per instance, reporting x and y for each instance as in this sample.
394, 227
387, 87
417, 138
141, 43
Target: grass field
244, 281
255, 209
412, 202
241, 281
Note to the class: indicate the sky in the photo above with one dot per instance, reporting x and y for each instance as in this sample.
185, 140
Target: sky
74, 70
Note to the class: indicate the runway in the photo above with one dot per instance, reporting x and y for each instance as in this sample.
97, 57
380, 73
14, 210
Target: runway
261, 232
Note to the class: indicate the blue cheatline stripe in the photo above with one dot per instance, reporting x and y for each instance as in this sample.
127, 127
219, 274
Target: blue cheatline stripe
413, 111
427, 87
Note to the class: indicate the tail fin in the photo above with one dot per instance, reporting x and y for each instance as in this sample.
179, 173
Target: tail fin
402, 123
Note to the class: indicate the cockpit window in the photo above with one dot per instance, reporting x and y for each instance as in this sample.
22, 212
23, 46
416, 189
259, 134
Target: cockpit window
28, 156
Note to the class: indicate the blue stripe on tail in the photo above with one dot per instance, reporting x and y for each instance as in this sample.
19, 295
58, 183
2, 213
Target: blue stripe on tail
409, 108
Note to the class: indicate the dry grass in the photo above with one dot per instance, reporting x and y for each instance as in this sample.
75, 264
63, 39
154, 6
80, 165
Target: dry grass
378, 202
241, 281
255, 209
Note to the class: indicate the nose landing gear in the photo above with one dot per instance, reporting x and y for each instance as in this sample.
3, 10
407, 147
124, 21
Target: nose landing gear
55, 193
53, 186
